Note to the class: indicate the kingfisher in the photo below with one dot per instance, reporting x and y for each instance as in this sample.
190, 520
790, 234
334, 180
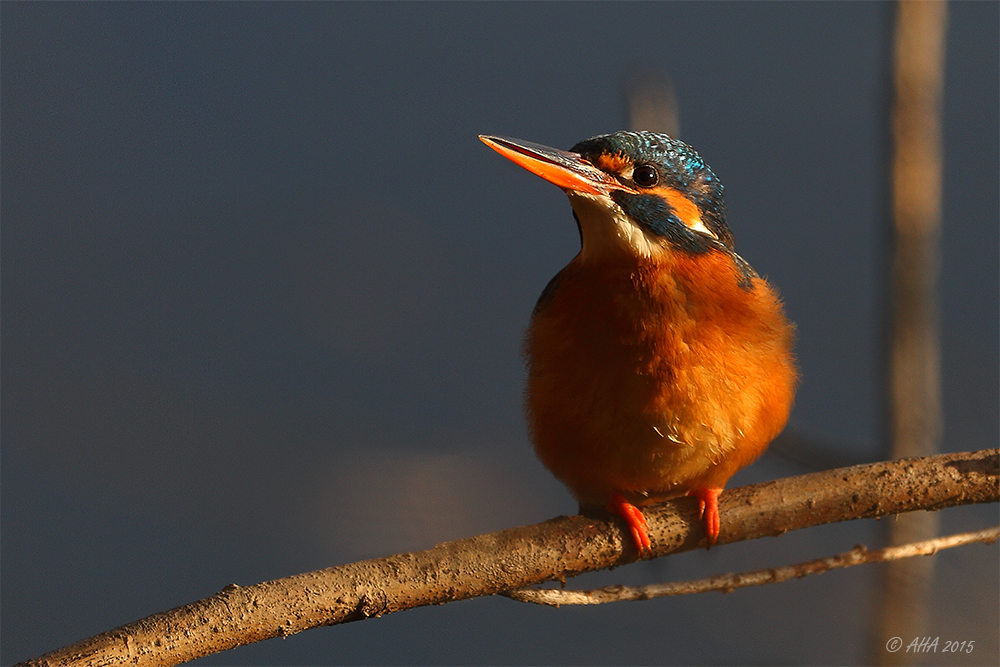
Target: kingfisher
659, 362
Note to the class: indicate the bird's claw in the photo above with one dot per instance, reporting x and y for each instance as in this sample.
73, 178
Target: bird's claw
636, 522
708, 512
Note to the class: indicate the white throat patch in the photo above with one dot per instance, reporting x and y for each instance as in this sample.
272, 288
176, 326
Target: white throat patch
606, 230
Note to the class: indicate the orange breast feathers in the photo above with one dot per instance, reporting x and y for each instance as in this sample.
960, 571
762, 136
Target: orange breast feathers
655, 377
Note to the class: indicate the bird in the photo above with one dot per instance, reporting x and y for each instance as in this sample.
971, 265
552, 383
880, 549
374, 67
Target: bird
659, 362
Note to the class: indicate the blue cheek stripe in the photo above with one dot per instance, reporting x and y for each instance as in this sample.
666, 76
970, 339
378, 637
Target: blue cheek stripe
656, 216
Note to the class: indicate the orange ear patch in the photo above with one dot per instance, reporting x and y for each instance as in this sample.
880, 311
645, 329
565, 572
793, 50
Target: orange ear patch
685, 209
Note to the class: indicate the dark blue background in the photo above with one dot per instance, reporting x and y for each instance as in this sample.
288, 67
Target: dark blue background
264, 293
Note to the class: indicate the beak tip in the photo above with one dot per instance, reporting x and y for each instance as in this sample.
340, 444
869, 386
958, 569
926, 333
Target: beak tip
493, 142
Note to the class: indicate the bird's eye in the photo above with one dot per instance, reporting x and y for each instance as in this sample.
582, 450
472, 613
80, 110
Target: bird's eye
645, 175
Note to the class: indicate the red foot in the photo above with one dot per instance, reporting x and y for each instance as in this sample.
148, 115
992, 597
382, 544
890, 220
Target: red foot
708, 512
635, 520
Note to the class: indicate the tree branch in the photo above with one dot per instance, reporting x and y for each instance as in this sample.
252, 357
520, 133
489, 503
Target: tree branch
519, 557
726, 583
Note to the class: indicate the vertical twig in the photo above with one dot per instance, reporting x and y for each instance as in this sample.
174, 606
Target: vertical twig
915, 422
652, 104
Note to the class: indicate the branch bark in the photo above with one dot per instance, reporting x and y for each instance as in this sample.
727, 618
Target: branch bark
519, 557
727, 583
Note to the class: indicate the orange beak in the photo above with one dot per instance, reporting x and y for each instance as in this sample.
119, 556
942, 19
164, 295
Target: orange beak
567, 170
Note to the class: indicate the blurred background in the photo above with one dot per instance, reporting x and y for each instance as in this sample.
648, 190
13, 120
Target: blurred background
263, 296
